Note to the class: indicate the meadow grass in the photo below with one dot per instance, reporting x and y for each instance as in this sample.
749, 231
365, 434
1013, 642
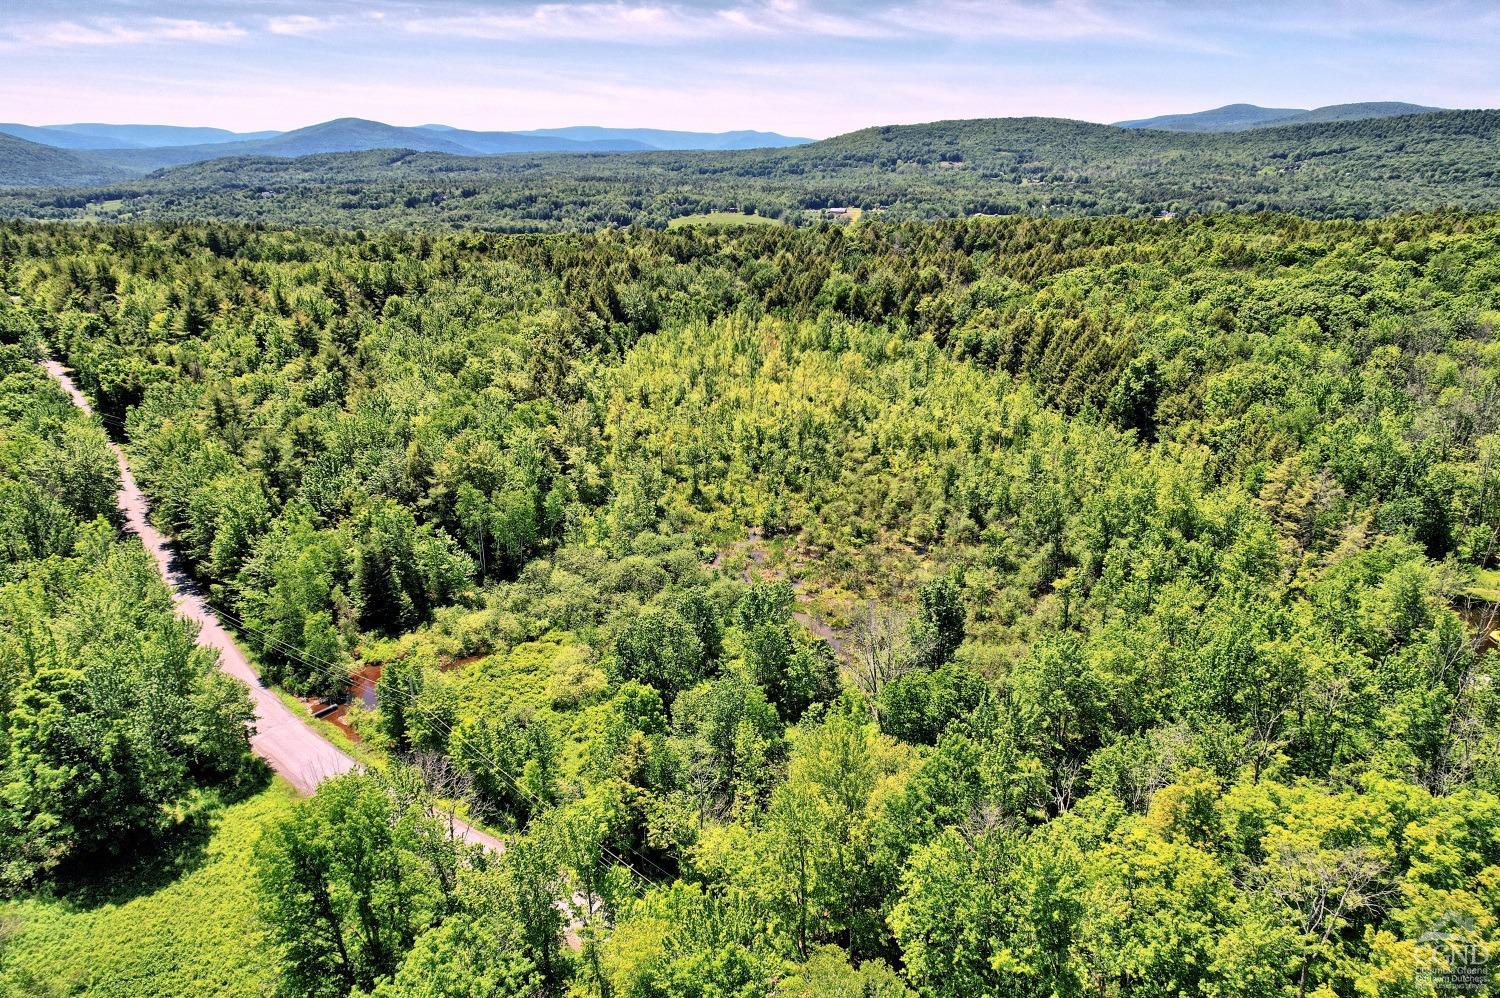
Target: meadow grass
1486, 585
181, 921
722, 218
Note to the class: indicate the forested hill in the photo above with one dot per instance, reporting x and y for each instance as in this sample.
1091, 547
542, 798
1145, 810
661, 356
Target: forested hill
1238, 117
30, 164
945, 169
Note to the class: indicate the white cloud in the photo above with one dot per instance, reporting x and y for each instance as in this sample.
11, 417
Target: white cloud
792, 17
1437, 21
652, 23
1056, 20
139, 32
605, 22
649, 22
299, 24
634, 22
807, 67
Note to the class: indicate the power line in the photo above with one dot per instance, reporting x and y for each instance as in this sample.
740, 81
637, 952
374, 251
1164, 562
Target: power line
409, 699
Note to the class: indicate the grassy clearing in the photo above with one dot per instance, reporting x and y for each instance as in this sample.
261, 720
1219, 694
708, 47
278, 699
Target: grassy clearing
1486, 585
181, 922
722, 218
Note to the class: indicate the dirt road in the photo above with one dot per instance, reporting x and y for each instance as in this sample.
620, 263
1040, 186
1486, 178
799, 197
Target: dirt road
292, 748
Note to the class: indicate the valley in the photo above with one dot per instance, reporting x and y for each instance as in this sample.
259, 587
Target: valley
830, 603
1342, 168
750, 499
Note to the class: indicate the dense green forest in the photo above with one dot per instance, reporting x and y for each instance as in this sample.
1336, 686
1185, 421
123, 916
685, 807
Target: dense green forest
945, 169
114, 727
1011, 606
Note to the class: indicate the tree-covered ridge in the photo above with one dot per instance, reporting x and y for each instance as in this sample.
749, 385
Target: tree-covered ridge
30, 164
1045, 166
112, 722
1140, 542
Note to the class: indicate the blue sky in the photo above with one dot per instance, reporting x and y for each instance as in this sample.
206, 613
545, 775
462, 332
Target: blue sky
794, 66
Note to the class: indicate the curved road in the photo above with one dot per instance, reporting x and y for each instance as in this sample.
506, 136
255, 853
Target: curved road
291, 747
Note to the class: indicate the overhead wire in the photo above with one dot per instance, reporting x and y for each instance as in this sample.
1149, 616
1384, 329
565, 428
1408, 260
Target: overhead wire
409, 700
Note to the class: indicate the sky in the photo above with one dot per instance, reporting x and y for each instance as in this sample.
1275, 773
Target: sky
794, 66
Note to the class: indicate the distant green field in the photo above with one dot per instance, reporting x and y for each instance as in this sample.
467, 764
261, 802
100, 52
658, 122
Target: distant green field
183, 923
722, 218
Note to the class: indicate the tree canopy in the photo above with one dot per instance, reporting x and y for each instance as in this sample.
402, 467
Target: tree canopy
990, 606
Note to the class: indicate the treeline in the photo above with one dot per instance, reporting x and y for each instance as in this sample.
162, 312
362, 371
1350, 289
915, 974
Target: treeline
999, 166
112, 722
1147, 677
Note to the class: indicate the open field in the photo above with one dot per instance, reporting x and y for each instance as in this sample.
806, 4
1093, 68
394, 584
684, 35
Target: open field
1486, 585
182, 921
722, 218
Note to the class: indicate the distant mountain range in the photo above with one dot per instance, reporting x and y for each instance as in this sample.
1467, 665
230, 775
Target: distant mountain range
1002, 166
1240, 117
662, 139
348, 135
1002, 163
84, 154
95, 136
137, 149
